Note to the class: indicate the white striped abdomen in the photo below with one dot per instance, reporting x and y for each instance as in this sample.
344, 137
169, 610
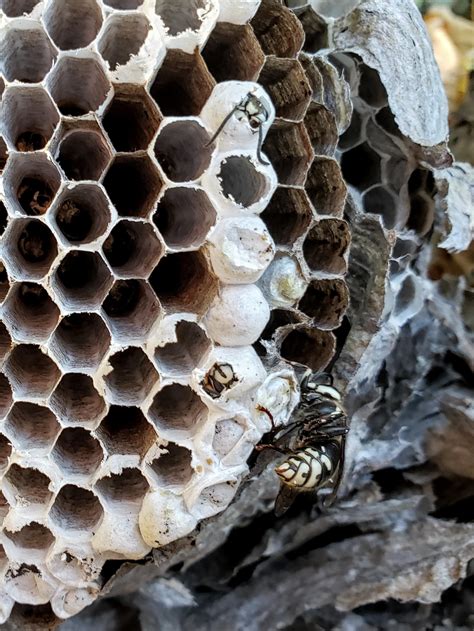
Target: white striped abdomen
310, 468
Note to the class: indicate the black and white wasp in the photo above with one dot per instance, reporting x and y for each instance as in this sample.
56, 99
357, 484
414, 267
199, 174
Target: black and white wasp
314, 442
219, 378
251, 108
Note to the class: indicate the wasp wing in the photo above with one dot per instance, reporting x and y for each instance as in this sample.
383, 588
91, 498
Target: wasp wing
285, 498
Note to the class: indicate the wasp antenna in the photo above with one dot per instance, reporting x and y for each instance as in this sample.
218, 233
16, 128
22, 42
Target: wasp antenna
259, 146
222, 125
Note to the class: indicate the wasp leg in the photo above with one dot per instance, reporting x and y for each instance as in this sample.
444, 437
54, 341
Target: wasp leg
259, 146
263, 409
263, 446
223, 124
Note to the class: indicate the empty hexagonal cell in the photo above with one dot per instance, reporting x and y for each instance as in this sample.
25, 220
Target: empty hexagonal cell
126, 431
33, 536
241, 182
83, 154
29, 117
30, 313
325, 187
286, 83
132, 309
131, 378
32, 180
75, 508
30, 249
31, 427
179, 16
4, 282
25, 485
77, 453
421, 213
325, 301
177, 408
128, 487
288, 215
321, 126
132, 249
183, 84
25, 583
289, 149
78, 84
278, 30
77, 402
184, 217
309, 347
82, 213
16, 8
133, 184
73, 25
183, 282
232, 53
6, 398
182, 356
31, 372
81, 280
371, 89
325, 246
5, 451
353, 134
361, 166
380, 201
123, 37
182, 150
172, 469
80, 341
26, 52
131, 119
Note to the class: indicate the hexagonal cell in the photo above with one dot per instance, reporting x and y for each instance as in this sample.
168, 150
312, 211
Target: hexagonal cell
288, 215
30, 249
182, 356
278, 29
29, 117
309, 347
321, 126
31, 427
132, 309
123, 36
24, 582
380, 201
361, 166
386, 120
182, 150
77, 453
325, 187
325, 301
26, 52
232, 53
241, 182
33, 536
177, 409
179, 16
5, 451
315, 28
4, 282
30, 313
288, 87
183, 84
227, 434
81, 280
31, 372
82, 213
371, 88
172, 469
127, 487
131, 119
132, 249
75, 508
24, 485
184, 217
184, 282
78, 84
289, 149
353, 134
126, 431
77, 402
16, 8
422, 209
83, 154
133, 184
131, 378
325, 246
80, 342
32, 180
73, 25
6, 398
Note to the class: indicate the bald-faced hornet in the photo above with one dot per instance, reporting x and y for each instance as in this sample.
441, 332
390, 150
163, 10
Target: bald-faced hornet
220, 377
314, 442
251, 108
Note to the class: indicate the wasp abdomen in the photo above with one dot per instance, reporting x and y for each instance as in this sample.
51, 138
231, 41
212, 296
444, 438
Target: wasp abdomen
311, 467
